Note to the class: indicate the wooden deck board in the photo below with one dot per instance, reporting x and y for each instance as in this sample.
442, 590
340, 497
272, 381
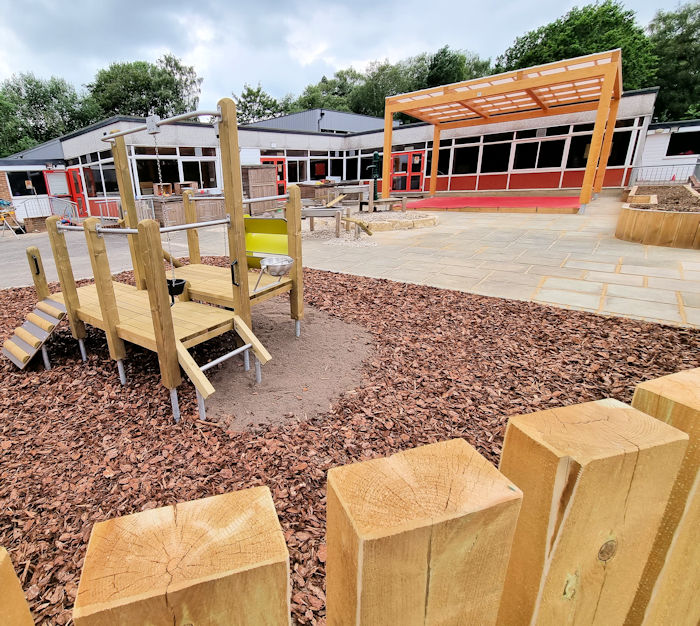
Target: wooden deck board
194, 322
212, 284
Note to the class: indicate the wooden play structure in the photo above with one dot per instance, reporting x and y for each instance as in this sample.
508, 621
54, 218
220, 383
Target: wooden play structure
211, 300
438, 535
587, 83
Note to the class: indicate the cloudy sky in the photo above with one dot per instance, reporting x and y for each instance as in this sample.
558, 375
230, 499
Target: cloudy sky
284, 45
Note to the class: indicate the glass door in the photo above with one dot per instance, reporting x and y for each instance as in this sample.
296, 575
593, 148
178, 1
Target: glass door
280, 164
407, 171
75, 185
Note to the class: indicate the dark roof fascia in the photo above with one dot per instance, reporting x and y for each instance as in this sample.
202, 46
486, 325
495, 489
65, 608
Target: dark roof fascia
679, 124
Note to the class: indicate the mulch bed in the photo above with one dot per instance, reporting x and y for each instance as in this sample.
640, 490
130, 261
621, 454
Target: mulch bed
670, 198
77, 448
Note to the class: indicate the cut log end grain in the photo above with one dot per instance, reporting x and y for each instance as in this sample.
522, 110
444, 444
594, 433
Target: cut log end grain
179, 561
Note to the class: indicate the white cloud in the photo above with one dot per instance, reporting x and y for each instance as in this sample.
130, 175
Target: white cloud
282, 45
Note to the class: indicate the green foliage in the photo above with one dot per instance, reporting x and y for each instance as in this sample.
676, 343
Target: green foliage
675, 36
451, 66
140, 88
33, 110
586, 30
328, 93
255, 104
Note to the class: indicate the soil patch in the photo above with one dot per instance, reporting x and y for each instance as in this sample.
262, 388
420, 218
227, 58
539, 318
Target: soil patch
670, 198
77, 448
305, 375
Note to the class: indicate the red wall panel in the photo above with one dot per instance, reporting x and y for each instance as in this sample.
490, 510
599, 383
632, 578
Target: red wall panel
572, 178
463, 183
493, 181
535, 180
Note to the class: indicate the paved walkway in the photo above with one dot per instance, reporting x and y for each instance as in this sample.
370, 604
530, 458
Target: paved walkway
571, 261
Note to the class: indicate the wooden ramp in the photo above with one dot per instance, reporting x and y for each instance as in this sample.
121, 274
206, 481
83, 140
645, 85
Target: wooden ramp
29, 338
212, 284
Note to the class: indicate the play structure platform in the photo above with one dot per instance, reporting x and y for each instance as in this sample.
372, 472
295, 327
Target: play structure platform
193, 322
499, 204
212, 284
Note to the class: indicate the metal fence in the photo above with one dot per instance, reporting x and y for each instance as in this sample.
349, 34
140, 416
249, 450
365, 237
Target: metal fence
664, 174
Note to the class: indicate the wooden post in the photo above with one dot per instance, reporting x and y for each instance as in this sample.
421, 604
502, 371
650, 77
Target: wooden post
149, 236
668, 591
65, 277
607, 145
293, 214
370, 201
595, 479
598, 136
233, 195
191, 218
386, 162
14, 609
219, 560
126, 193
434, 160
105, 288
420, 537
36, 266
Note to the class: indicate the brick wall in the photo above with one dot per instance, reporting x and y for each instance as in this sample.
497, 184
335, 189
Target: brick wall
4, 187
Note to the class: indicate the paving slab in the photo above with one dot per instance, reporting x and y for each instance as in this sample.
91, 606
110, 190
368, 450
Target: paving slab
648, 294
569, 299
569, 284
641, 308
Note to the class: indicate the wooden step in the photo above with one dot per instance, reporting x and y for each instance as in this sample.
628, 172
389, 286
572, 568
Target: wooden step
50, 310
41, 322
17, 352
25, 335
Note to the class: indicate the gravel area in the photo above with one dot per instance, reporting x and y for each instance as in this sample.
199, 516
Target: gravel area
670, 198
77, 448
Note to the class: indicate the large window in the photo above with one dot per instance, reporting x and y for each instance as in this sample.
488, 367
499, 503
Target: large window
27, 183
337, 167
525, 156
495, 157
683, 143
443, 162
319, 169
147, 170
551, 153
93, 180
296, 171
578, 151
465, 160
351, 168
618, 151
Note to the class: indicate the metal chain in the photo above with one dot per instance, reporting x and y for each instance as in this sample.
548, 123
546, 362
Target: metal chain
162, 193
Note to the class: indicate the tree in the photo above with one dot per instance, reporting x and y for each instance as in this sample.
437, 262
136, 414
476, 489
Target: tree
255, 104
675, 37
329, 93
34, 110
586, 30
164, 88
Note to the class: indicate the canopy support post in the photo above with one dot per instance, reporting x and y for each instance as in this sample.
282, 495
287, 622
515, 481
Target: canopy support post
386, 159
599, 132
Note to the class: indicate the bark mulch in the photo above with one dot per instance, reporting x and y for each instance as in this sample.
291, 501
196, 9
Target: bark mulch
670, 198
77, 448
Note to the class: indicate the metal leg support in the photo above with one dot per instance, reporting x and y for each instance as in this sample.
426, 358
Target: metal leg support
45, 356
175, 404
200, 405
258, 371
297, 328
246, 360
83, 354
122, 374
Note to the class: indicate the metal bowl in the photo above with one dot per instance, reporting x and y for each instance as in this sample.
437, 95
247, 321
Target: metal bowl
276, 265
